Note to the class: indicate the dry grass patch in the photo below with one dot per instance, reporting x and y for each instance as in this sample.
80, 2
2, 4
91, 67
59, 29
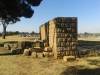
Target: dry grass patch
16, 38
24, 65
27, 65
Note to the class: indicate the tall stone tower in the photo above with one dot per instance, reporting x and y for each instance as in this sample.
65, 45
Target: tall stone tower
61, 35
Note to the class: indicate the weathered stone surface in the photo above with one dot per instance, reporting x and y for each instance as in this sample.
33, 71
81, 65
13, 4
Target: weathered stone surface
27, 52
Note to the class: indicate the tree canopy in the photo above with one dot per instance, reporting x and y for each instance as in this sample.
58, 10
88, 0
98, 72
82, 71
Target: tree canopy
12, 10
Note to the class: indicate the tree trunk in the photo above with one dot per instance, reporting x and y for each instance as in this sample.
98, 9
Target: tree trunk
4, 31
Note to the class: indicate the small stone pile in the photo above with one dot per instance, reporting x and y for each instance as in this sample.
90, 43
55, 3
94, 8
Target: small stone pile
27, 52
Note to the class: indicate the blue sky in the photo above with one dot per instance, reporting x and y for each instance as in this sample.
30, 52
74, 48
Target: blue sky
87, 11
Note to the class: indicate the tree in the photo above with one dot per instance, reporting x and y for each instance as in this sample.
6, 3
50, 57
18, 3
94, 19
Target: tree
12, 10
32, 32
86, 34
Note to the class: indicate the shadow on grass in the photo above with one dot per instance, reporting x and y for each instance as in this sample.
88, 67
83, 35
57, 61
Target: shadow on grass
5, 54
75, 71
94, 62
8, 53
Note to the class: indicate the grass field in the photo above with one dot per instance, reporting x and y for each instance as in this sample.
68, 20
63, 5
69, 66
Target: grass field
89, 38
20, 65
23, 65
27, 65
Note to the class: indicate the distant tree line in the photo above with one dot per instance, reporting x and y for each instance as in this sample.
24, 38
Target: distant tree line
86, 34
8, 33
